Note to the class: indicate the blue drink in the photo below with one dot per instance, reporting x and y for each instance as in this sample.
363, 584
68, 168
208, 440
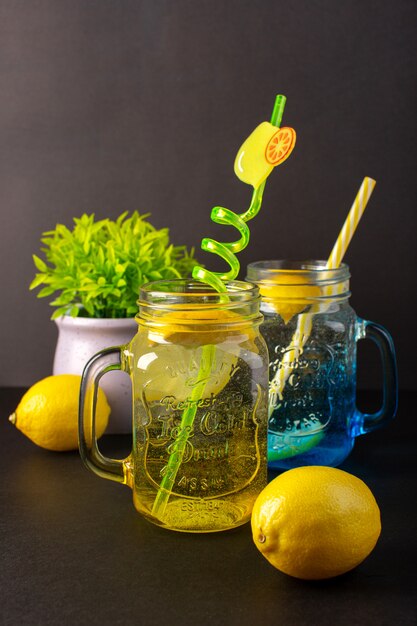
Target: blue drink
311, 423
311, 333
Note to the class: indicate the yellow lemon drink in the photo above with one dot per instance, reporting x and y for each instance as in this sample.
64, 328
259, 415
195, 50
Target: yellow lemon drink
201, 417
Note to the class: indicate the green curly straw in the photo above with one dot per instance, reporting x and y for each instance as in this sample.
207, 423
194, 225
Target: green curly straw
216, 280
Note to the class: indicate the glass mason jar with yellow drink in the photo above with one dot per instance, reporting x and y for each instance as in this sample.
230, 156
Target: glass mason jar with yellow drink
199, 371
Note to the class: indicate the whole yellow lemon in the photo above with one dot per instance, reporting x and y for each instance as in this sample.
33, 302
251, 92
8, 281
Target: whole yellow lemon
48, 412
315, 522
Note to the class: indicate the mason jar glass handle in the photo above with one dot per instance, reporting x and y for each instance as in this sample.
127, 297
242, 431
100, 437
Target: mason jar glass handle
102, 362
381, 337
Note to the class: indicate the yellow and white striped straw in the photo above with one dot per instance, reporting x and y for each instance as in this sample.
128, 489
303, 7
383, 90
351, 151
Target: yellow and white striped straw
351, 222
305, 320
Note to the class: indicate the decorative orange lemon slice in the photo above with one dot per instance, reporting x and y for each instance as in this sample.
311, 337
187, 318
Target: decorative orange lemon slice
280, 146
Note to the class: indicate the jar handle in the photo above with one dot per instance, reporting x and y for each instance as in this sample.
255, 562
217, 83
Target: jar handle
104, 361
382, 338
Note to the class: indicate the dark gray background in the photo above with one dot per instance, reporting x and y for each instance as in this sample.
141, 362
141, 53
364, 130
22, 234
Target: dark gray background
113, 105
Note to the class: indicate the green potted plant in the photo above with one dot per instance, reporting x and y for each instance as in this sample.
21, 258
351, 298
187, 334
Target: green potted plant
93, 272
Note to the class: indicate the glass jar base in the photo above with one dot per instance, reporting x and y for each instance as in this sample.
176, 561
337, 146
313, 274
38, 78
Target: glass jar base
328, 451
199, 516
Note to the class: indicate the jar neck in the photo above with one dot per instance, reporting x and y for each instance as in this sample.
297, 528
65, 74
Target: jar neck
311, 280
194, 304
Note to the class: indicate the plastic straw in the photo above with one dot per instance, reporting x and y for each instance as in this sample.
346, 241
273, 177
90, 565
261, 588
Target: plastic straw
351, 223
228, 252
305, 320
226, 217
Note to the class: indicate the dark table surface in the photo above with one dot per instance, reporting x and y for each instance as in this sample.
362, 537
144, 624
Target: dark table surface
74, 551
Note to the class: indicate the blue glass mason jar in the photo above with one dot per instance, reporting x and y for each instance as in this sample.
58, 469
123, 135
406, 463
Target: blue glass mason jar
311, 333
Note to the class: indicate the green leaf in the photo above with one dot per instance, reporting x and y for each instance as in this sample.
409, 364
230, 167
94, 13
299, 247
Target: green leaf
38, 280
74, 310
41, 265
59, 312
46, 291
